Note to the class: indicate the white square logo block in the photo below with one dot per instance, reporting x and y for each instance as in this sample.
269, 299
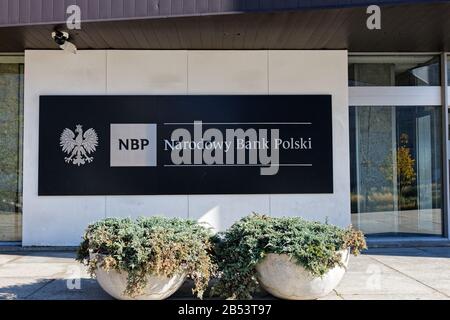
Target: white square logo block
133, 145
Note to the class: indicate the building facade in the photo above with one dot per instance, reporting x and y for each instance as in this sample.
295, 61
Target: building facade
388, 88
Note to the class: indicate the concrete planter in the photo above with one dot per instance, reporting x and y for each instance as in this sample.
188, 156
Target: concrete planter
285, 279
158, 287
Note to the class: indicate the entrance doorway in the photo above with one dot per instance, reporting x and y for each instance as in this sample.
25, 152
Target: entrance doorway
396, 145
11, 129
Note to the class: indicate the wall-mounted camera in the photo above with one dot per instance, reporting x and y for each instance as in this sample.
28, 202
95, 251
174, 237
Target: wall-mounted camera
61, 38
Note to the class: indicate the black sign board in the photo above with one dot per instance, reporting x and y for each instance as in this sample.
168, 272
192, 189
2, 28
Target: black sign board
214, 144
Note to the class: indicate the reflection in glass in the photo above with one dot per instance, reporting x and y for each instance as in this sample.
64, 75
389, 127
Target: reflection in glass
394, 70
11, 116
396, 170
448, 70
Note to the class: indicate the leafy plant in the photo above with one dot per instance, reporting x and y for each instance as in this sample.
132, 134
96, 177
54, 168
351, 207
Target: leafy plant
313, 245
406, 175
149, 246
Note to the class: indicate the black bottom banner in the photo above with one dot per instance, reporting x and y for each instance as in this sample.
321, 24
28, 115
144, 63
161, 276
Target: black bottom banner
221, 309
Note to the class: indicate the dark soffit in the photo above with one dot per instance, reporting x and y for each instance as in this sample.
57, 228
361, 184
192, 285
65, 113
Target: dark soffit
409, 27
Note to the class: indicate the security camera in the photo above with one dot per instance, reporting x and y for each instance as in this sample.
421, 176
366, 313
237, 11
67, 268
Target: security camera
61, 38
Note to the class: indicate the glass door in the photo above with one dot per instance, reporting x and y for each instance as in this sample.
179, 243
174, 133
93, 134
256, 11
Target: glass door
396, 145
11, 128
396, 170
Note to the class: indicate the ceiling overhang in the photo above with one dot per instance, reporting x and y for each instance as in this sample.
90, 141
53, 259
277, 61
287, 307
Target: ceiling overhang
420, 27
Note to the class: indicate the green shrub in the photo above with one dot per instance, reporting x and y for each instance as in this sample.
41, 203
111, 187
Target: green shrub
149, 246
313, 245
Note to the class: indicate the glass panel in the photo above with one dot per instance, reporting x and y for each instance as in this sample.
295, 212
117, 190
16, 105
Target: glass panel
448, 70
394, 71
396, 170
11, 119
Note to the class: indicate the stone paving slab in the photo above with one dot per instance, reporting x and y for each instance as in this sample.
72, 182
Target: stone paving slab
393, 297
43, 257
58, 290
52, 270
431, 270
394, 274
9, 257
20, 287
332, 296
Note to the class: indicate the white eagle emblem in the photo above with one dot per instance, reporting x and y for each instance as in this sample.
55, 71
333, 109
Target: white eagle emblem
78, 148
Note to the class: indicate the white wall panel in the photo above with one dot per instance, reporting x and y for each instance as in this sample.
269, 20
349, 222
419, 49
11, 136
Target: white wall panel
317, 72
227, 72
61, 220
56, 220
144, 206
147, 72
220, 211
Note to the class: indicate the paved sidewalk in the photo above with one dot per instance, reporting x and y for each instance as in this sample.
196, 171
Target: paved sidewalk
400, 273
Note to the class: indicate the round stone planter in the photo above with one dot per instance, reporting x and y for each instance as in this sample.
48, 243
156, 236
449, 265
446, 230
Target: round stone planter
158, 287
285, 279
